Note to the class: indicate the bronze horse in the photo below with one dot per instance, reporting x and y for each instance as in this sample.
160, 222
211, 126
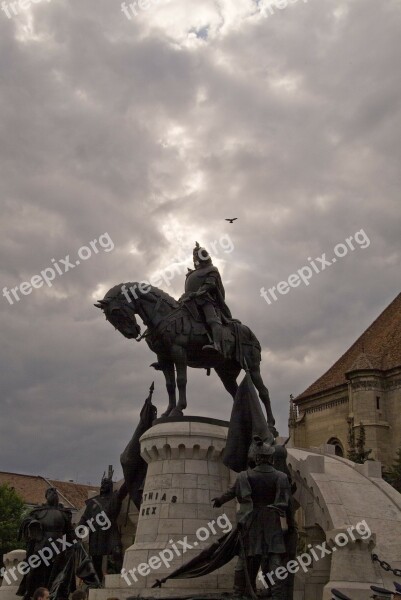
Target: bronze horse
177, 339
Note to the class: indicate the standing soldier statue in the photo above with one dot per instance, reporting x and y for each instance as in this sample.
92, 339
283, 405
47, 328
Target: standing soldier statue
105, 542
263, 494
205, 296
44, 529
291, 535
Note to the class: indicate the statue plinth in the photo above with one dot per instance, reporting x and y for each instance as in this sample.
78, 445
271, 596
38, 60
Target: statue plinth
8, 591
185, 471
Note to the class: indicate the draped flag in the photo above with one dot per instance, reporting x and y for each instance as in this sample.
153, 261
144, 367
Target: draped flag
76, 563
213, 557
247, 420
133, 465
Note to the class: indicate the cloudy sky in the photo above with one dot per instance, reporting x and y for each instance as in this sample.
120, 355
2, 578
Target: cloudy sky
154, 129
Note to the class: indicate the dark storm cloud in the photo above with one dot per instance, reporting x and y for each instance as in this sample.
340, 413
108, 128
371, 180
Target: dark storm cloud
149, 132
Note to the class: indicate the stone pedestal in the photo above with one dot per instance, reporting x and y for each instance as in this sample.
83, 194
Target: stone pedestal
352, 569
185, 471
8, 590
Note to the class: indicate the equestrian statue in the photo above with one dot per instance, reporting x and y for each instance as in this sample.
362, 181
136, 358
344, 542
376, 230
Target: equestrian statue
196, 331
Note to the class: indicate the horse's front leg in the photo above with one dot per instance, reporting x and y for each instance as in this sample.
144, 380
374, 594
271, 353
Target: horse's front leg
180, 360
182, 385
169, 374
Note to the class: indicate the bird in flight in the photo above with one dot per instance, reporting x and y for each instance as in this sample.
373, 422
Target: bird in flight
232, 220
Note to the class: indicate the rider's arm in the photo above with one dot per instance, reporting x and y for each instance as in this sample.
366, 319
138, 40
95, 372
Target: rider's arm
208, 285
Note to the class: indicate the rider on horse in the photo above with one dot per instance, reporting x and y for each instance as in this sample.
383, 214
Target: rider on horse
204, 296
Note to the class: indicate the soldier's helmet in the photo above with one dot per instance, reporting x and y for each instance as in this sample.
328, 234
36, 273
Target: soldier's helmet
259, 448
280, 459
201, 256
52, 496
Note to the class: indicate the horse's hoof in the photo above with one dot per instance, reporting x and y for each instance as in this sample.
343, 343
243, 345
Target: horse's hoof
176, 412
168, 411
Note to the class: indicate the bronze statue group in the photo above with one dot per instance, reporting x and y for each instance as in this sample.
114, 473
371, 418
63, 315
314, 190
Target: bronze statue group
265, 538
267, 530
55, 553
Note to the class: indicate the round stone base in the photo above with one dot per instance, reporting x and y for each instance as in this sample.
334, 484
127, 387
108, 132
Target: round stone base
176, 519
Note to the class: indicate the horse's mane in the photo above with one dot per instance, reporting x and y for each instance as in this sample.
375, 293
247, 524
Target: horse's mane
164, 296
156, 292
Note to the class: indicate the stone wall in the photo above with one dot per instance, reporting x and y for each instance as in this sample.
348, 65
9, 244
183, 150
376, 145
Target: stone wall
370, 398
335, 495
321, 419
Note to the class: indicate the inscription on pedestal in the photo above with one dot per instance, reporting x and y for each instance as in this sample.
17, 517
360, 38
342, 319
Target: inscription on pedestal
147, 506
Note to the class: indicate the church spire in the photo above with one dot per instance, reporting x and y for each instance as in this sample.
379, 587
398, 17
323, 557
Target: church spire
292, 418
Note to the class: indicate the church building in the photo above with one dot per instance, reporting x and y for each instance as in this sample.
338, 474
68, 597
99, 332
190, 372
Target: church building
363, 386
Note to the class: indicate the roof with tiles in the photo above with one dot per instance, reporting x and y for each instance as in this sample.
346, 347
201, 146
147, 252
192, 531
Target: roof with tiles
379, 347
32, 489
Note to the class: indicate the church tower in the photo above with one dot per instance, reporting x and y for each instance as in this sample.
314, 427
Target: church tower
363, 386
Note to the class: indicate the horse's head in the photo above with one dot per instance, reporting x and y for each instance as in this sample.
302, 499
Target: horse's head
120, 310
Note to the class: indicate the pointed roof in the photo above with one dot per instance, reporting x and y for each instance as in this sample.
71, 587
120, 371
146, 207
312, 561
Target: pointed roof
379, 347
366, 361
